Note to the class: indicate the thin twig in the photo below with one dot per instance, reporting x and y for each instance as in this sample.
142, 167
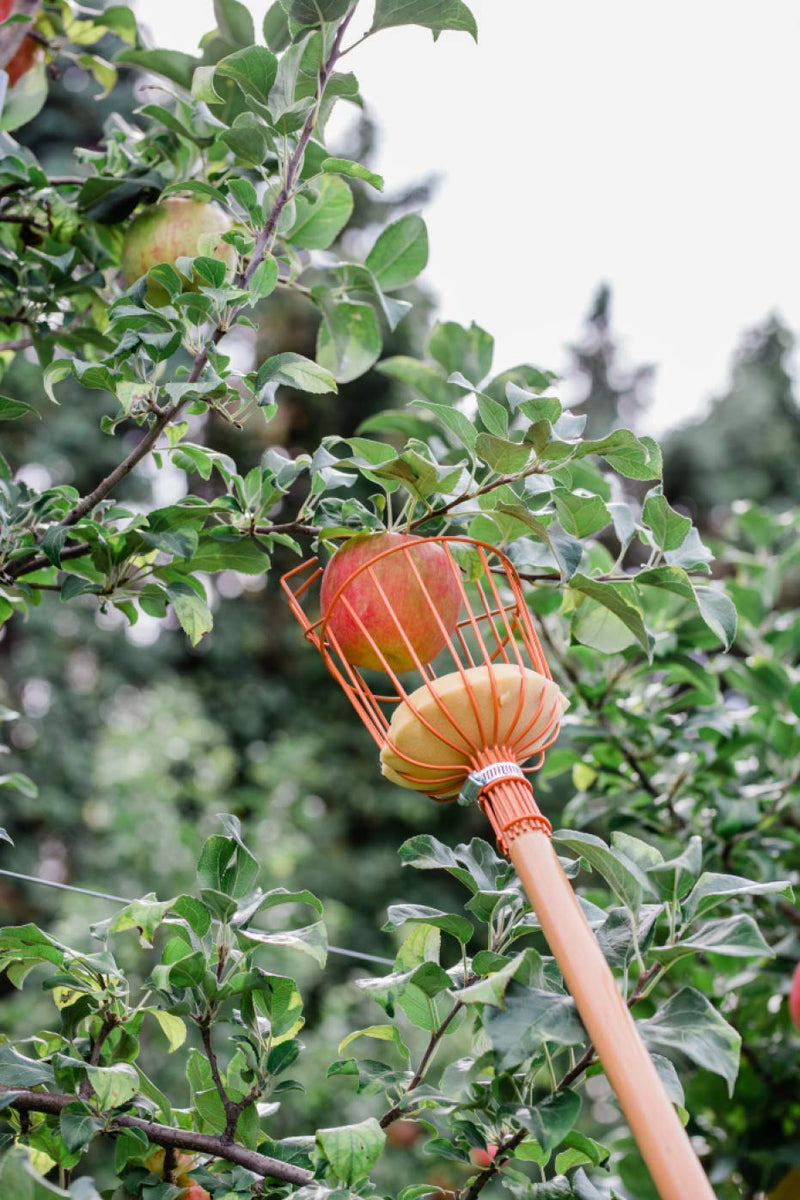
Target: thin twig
465, 497
400, 1108
232, 1110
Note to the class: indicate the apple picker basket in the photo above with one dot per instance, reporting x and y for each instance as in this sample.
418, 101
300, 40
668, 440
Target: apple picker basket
474, 723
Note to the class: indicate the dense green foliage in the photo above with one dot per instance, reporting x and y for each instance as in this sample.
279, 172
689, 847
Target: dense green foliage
161, 684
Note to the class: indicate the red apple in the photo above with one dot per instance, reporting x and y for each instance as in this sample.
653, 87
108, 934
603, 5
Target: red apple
172, 229
195, 1192
411, 607
403, 1133
482, 1158
794, 997
26, 57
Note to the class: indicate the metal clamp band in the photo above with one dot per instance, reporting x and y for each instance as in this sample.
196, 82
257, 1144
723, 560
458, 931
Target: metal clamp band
476, 781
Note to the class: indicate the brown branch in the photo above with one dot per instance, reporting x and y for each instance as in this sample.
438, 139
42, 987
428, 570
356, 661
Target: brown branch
465, 497
12, 36
41, 563
20, 185
400, 1108
232, 1110
109, 1023
263, 243
288, 527
23, 343
166, 1135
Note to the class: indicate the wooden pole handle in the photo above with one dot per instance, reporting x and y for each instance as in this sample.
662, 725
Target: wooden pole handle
654, 1123
523, 834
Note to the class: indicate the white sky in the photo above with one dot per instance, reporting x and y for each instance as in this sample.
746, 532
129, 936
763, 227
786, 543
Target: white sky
652, 146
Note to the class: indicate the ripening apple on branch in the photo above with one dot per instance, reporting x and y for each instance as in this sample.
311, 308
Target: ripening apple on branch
173, 229
482, 1158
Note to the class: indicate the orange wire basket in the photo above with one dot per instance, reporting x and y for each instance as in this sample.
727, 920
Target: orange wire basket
486, 698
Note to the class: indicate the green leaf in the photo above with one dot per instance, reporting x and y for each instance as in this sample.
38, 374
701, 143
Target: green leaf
113, 1086
399, 914
688, 1022
172, 1027
248, 138
624, 877
504, 457
19, 1179
384, 1033
718, 612
400, 253
11, 409
235, 22
427, 380
25, 100
322, 214
530, 1018
669, 528
276, 27
311, 940
354, 170
733, 937
253, 69
191, 610
295, 371
581, 515
54, 372
636, 458
264, 280
312, 12
462, 350
492, 990
712, 889
552, 1119
78, 1126
172, 64
432, 14
352, 1150
609, 597
692, 555
348, 341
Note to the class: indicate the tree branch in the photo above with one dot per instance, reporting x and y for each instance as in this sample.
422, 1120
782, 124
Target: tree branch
12, 36
400, 1108
166, 1135
232, 1110
263, 244
20, 185
465, 497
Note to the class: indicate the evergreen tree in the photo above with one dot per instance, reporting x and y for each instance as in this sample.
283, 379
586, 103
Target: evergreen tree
749, 441
612, 394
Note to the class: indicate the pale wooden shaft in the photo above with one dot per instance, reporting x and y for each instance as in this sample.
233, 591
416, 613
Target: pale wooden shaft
655, 1125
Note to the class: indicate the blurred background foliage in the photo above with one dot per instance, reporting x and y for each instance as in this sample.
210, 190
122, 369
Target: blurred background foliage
130, 729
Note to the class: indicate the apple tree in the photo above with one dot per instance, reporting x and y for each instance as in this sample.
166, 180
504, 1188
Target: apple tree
139, 278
